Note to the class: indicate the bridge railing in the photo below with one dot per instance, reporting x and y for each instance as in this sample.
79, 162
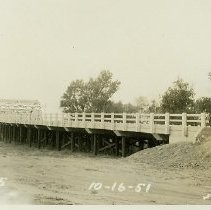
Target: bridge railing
71, 119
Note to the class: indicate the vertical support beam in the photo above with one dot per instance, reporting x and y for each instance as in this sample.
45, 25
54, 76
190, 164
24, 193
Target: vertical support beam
14, 134
167, 123
38, 138
80, 141
89, 143
58, 145
72, 142
10, 134
117, 145
95, 146
29, 136
45, 137
184, 124
6, 133
3, 132
203, 120
21, 132
63, 138
123, 146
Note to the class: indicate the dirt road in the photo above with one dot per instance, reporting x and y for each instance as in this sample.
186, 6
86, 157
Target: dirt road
50, 177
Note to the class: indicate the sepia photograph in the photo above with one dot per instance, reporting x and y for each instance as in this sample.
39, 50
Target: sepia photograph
105, 102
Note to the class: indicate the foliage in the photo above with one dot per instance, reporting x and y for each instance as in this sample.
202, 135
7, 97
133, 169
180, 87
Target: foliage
178, 98
203, 104
91, 96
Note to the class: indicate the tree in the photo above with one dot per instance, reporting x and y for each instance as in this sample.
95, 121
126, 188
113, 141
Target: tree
142, 104
154, 107
100, 90
75, 98
178, 98
91, 96
203, 104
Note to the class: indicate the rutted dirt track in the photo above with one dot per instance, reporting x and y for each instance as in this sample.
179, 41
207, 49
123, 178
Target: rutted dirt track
51, 177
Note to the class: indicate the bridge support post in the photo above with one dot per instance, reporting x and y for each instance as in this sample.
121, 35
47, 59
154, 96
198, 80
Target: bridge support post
95, 146
72, 142
38, 138
29, 137
123, 146
10, 134
117, 145
58, 145
20, 134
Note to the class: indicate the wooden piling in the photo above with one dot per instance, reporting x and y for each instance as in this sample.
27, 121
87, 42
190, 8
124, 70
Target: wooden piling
29, 137
72, 142
38, 139
20, 134
58, 145
117, 146
123, 146
95, 146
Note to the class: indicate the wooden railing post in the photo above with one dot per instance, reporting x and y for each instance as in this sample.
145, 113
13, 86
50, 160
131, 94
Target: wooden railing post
83, 118
56, 119
93, 119
167, 123
63, 122
137, 122
76, 117
152, 126
102, 119
184, 124
50, 119
112, 121
203, 120
124, 118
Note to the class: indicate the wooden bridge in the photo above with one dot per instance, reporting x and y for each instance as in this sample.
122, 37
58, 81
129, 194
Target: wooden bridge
110, 133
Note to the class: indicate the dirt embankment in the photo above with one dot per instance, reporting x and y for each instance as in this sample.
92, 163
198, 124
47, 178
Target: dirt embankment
180, 155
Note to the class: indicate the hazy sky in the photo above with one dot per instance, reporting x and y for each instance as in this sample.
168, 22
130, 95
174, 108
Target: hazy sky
147, 44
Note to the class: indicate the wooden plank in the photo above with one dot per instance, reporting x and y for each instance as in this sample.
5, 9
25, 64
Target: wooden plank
66, 144
107, 147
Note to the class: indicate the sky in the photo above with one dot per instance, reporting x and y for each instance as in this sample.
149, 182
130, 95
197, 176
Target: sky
146, 44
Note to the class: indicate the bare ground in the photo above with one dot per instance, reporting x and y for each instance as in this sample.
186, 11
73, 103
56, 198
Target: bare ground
52, 177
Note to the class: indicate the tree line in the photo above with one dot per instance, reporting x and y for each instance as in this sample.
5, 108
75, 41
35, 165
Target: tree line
95, 95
